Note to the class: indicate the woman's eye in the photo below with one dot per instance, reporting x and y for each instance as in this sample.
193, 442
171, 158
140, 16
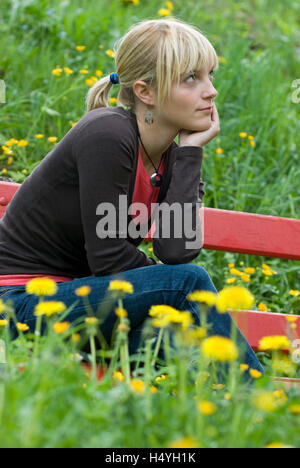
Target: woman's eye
191, 76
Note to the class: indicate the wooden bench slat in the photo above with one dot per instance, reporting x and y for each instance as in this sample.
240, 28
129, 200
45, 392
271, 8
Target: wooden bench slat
249, 233
255, 325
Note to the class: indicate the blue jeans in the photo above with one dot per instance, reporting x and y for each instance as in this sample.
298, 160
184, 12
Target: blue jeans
157, 284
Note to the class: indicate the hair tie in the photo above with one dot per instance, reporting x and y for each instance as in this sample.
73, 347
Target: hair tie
114, 78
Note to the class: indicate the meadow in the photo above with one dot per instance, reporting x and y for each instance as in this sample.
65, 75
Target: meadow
50, 54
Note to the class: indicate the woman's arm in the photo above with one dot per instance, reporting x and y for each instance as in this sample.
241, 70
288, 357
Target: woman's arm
178, 230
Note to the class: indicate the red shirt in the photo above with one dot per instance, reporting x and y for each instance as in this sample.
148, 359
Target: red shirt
144, 192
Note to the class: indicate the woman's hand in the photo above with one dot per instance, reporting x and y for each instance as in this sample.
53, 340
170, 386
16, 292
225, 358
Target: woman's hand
191, 138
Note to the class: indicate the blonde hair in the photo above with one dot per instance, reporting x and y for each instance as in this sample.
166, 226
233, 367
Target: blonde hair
157, 51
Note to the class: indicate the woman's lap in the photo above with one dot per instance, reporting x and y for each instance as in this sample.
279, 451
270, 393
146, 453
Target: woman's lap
157, 284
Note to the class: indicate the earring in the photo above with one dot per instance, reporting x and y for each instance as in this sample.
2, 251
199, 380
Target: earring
149, 117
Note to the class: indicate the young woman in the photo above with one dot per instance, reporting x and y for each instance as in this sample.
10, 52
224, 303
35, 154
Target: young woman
113, 159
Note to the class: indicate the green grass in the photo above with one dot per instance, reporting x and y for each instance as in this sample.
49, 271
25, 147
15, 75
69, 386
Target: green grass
260, 41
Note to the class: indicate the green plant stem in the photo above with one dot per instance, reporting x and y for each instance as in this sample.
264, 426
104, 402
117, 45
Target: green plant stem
157, 346
93, 352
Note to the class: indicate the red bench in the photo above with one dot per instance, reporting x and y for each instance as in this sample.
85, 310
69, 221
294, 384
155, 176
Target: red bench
234, 231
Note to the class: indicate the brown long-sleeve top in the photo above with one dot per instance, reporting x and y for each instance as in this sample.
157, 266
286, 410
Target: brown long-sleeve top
51, 225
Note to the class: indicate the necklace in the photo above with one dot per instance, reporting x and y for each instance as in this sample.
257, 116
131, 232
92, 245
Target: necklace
156, 179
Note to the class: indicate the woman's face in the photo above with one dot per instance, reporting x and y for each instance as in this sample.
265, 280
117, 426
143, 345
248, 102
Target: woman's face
195, 91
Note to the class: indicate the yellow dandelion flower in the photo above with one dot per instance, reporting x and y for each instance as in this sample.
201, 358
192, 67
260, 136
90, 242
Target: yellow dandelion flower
22, 327
294, 409
80, 48
75, 337
89, 82
41, 287
113, 100
119, 376
185, 442
230, 280
52, 139
120, 312
219, 151
91, 320
243, 134
274, 343
207, 297
294, 292
218, 386
252, 143
244, 367
49, 308
84, 71
24, 171
230, 265
161, 377
164, 12
6, 150
61, 327
269, 272
3, 322
122, 286
57, 71
68, 71
265, 401
137, 385
158, 310
22, 143
153, 389
277, 445
39, 136
234, 297
227, 396
83, 291
245, 277
110, 53
169, 5
262, 307
4, 170
235, 271
161, 322
219, 348
10, 160
206, 407
255, 374
249, 270
251, 137
291, 318
99, 73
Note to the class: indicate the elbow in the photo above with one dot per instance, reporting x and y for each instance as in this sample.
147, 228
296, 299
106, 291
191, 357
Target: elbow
175, 255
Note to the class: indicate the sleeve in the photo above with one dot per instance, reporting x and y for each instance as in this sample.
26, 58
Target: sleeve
104, 156
178, 236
